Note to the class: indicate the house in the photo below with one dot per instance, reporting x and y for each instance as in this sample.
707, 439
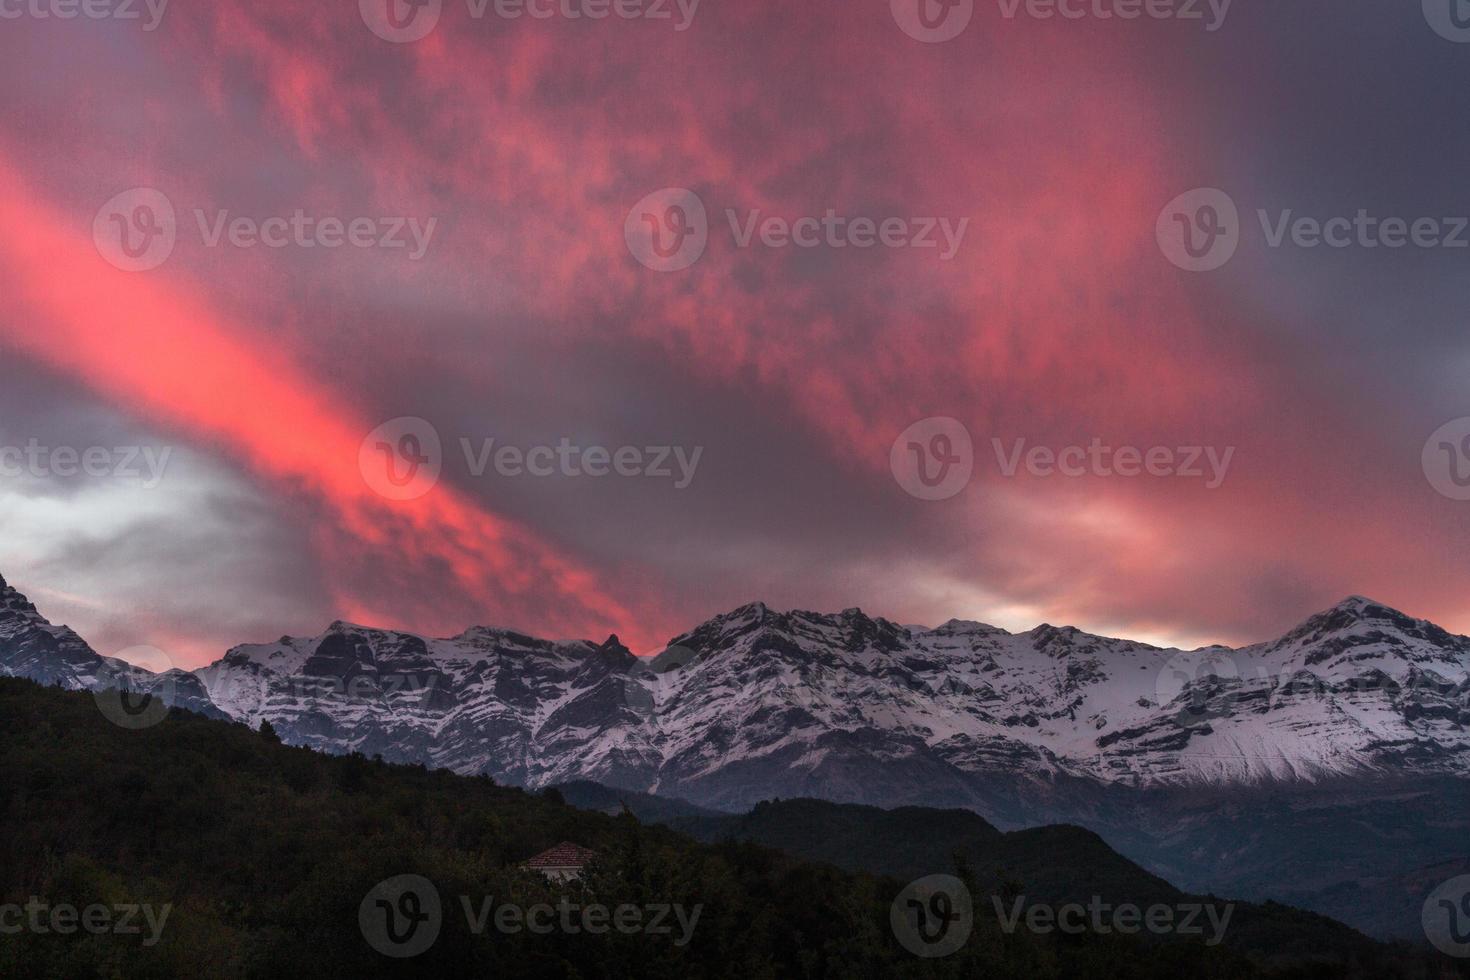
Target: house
564, 862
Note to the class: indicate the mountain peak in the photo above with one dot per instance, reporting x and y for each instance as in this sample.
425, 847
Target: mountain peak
15, 600
719, 629
1357, 607
754, 612
1359, 618
965, 626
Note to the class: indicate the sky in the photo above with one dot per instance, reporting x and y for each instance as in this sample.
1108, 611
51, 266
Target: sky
433, 316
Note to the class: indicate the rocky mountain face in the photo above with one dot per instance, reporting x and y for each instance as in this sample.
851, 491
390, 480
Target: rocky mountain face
524, 710
756, 704
31, 647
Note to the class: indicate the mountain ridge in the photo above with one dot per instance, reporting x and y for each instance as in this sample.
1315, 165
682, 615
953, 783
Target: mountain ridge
757, 702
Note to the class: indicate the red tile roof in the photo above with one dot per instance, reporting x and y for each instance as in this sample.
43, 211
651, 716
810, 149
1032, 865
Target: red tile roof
564, 855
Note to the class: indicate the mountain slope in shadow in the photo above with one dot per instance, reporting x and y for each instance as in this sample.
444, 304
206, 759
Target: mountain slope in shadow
1052, 865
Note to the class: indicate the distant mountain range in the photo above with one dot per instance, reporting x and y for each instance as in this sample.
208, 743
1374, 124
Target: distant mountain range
1049, 725
1364, 851
1056, 864
757, 703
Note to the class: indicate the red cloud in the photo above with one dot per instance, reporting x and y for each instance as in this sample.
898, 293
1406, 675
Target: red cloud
156, 347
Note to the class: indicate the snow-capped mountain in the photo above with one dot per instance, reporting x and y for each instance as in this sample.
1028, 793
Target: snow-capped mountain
31, 647
758, 703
